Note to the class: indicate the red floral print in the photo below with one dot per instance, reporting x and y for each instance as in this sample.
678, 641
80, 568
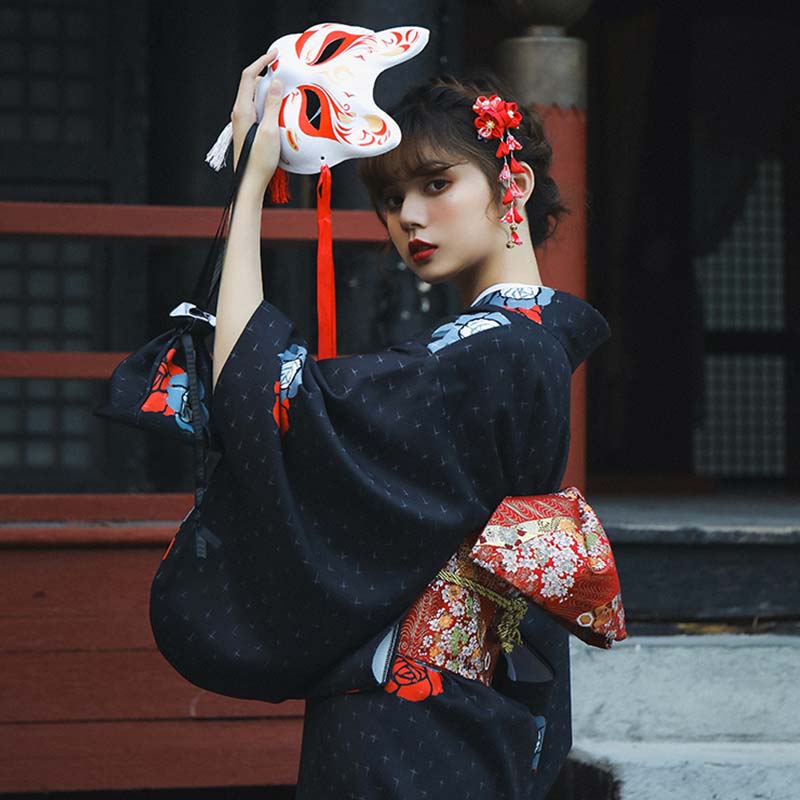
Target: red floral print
157, 399
413, 681
554, 550
280, 410
534, 313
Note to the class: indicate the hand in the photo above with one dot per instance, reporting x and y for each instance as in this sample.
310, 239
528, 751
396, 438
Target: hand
265, 151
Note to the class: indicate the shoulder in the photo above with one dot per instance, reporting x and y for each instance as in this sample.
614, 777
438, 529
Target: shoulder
486, 330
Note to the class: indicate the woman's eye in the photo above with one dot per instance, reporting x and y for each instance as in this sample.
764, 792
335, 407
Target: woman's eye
392, 203
438, 184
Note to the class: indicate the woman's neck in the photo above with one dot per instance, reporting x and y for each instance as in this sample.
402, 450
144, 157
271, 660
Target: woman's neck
517, 265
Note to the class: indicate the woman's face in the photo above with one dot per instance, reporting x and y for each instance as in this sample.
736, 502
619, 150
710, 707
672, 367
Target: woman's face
445, 222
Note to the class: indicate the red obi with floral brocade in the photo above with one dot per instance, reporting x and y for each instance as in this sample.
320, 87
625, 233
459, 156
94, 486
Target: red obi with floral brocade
549, 548
554, 550
449, 626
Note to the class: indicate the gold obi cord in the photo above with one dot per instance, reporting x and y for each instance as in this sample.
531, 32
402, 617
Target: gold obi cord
508, 619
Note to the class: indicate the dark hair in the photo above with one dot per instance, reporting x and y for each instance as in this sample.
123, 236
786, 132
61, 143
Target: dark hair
437, 120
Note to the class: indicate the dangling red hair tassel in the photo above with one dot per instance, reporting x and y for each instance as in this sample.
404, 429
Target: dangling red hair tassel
278, 187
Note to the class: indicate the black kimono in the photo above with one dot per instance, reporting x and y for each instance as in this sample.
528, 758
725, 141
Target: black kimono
348, 483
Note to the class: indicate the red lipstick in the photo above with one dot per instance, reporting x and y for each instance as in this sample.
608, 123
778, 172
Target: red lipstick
421, 250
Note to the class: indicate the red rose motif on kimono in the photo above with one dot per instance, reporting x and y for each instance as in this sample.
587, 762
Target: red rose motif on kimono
157, 399
412, 680
533, 313
280, 411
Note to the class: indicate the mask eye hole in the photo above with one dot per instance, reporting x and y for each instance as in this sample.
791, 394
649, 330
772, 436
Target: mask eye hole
329, 51
313, 108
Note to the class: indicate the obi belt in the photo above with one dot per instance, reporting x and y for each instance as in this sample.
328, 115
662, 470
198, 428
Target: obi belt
549, 549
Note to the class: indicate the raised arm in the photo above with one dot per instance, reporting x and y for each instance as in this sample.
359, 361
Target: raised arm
241, 288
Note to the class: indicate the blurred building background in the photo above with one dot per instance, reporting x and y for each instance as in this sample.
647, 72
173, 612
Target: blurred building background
693, 185
691, 175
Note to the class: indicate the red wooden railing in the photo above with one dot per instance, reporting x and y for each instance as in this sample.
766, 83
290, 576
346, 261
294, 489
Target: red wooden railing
149, 223
86, 700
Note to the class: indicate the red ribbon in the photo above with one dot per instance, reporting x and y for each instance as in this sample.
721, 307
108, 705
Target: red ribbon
326, 287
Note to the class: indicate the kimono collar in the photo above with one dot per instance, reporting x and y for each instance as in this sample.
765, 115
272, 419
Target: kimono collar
578, 325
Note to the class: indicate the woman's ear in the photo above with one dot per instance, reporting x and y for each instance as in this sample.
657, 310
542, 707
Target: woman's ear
526, 180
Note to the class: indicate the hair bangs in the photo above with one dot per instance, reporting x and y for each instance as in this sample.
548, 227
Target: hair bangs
420, 152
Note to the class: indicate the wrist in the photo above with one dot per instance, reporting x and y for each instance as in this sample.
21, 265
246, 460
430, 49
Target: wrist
253, 188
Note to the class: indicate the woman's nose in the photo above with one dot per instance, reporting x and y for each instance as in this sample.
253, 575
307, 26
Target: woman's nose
412, 212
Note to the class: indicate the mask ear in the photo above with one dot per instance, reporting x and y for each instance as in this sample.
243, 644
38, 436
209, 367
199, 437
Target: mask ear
400, 44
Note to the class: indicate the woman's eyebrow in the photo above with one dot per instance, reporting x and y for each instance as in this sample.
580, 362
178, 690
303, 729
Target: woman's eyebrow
423, 170
432, 168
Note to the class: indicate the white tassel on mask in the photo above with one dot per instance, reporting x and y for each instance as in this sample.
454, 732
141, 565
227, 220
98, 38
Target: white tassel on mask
215, 157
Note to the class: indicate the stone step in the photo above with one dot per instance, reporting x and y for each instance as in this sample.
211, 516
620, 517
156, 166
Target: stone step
719, 557
687, 688
707, 717
670, 770
735, 516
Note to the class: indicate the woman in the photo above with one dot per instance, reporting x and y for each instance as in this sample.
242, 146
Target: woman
356, 479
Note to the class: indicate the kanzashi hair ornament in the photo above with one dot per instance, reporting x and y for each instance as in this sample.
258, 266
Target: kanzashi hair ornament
494, 116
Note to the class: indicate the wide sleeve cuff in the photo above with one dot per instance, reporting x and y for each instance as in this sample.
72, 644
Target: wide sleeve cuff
252, 370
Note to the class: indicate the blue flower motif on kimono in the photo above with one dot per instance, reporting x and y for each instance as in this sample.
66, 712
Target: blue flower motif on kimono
169, 393
526, 300
178, 401
463, 326
293, 360
541, 723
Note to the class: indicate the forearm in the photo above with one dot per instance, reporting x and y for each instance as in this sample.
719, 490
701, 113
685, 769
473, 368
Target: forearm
241, 289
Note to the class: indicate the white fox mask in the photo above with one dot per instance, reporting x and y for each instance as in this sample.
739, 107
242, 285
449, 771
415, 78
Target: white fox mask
328, 113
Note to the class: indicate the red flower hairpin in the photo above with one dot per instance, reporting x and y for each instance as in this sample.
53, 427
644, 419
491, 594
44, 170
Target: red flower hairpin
494, 116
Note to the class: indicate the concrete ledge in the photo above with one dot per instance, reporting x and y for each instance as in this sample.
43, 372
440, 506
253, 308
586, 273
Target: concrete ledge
710, 717
714, 687
694, 771
759, 517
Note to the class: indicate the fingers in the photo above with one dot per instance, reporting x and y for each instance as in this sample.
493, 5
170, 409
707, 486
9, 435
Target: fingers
272, 104
251, 70
274, 93
250, 78
248, 84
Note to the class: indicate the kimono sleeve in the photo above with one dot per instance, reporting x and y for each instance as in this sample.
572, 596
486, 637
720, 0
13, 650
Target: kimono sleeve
345, 484
494, 405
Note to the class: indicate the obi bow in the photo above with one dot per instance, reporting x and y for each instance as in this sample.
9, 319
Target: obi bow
553, 549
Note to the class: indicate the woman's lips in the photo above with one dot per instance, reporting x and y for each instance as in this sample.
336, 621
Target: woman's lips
421, 251
423, 255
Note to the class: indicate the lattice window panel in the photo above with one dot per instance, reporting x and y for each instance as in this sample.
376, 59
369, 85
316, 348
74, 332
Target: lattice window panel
741, 284
56, 73
744, 431
47, 62
742, 289
46, 291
